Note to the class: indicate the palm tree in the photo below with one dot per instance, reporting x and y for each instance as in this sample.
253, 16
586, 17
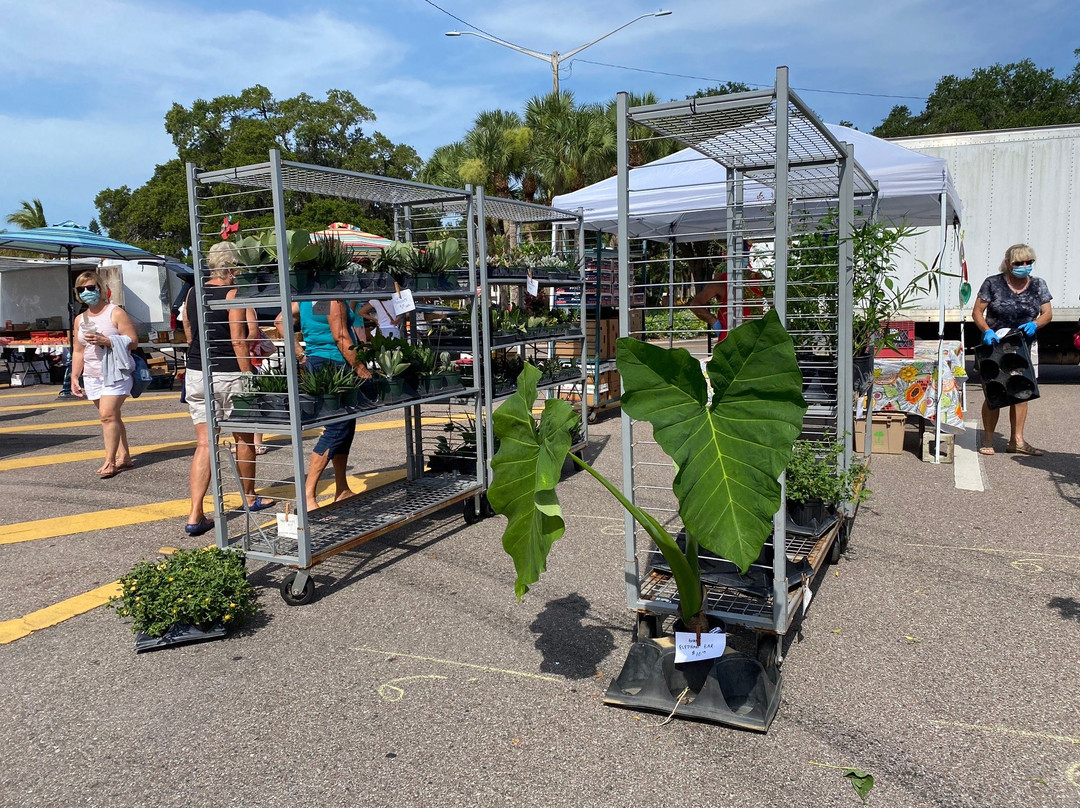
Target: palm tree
444, 166
29, 216
572, 146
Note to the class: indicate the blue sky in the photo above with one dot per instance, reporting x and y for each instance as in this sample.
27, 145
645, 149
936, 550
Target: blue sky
85, 84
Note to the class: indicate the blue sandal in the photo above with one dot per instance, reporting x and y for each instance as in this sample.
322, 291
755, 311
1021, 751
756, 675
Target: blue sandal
261, 504
204, 526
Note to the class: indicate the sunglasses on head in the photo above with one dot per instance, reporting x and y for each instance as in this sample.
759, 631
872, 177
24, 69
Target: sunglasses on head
88, 288
1022, 263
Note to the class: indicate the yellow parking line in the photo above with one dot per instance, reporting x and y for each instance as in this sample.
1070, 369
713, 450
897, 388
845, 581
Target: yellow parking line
128, 419
82, 403
11, 630
30, 395
157, 511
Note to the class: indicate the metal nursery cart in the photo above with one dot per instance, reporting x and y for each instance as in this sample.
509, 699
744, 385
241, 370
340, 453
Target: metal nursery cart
785, 217
257, 199
566, 239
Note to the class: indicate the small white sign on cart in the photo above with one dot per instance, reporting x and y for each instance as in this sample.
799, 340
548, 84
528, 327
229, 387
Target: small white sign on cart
687, 648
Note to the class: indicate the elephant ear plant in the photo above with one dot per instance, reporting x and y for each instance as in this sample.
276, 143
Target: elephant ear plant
729, 451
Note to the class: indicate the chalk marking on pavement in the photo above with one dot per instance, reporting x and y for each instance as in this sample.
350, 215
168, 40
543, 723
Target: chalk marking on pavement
11, 630
80, 402
487, 668
390, 692
1072, 774
999, 730
17, 628
998, 550
157, 511
967, 470
128, 419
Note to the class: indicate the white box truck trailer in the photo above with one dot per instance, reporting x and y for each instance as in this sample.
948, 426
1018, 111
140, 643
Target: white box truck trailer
1017, 186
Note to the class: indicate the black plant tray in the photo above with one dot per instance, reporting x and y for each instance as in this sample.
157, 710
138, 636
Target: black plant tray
180, 634
1006, 372
734, 690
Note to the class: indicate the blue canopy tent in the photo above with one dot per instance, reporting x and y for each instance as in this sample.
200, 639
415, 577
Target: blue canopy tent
68, 240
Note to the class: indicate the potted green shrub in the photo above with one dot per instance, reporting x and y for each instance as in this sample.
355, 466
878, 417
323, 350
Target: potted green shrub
730, 449
187, 596
455, 449
817, 485
331, 259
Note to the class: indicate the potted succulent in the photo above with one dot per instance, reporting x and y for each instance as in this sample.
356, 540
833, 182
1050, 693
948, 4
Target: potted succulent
245, 404
309, 394
258, 256
331, 259
455, 449
390, 367
273, 390
730, 449
187, 596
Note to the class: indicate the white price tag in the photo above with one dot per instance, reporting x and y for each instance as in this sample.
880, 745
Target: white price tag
402, 302
688, 650
287, 526
532, 286
321, 308
806, 593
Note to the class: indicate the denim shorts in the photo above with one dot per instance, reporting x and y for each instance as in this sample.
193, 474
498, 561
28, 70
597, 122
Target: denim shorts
336, 438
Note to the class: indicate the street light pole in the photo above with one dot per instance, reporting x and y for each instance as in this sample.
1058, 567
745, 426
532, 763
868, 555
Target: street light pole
555, 58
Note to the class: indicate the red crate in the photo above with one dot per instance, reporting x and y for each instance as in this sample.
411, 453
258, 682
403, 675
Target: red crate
903, 341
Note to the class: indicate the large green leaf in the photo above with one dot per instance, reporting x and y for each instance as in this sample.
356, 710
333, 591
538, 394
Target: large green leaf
731, 451
526, 470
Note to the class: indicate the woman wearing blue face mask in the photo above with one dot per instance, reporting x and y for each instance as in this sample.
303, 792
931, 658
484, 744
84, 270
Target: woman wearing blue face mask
1012, 299
101, 330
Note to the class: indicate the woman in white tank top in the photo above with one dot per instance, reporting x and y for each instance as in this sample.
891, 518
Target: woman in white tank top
93, 330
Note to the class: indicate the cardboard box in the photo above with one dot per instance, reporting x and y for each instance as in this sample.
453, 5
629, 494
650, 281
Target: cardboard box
902, 333
886, 433
595, 394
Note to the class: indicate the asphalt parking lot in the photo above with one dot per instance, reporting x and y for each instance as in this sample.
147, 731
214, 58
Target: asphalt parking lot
940, 655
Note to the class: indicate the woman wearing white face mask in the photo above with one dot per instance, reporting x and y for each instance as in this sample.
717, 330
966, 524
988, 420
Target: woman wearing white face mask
1012, 299
97, 333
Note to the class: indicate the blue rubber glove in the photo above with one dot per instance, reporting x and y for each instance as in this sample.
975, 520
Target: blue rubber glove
1028, 329
989, 337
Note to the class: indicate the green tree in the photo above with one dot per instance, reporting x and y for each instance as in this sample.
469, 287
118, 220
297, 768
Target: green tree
94, 227
996, 97
233, 130
28, 216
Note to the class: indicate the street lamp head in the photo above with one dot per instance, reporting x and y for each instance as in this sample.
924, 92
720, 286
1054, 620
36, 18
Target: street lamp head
661, 13
453, 33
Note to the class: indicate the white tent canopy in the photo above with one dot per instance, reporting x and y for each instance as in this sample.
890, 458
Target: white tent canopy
683, 194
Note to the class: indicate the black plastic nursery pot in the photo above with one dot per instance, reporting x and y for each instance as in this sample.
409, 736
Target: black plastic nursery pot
179, 634
811, 518
274, 407
734, 689
1007, 374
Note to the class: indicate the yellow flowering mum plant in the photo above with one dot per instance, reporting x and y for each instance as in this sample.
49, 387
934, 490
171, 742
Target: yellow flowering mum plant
199, 588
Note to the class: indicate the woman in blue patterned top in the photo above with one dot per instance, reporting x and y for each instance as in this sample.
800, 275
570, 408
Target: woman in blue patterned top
1014, 299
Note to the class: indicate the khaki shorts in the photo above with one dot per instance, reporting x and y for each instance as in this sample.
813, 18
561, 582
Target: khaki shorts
226, 385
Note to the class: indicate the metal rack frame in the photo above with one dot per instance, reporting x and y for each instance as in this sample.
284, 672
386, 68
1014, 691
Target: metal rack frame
343, 525
772, 139
520, 213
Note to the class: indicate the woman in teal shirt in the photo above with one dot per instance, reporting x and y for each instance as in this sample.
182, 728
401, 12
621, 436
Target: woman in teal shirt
328, 339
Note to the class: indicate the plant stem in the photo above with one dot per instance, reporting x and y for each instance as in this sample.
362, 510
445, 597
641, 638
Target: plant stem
686, 574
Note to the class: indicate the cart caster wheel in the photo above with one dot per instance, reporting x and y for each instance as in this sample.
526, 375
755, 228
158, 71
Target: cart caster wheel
840, 543
767, 646
648, 627
470, 513
485, 507
593, 417
297, 600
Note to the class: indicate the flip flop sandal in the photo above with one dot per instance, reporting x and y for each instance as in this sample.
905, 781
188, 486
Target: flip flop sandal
261, 504
986, 451
108, 471
260, 449
1024, 448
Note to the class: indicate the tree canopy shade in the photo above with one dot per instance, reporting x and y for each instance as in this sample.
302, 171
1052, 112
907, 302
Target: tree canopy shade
997, 97
233, 130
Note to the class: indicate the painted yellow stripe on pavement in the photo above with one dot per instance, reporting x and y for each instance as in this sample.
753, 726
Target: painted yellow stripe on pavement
82, 403
128, 419
95, 454
158, 511
11, 630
